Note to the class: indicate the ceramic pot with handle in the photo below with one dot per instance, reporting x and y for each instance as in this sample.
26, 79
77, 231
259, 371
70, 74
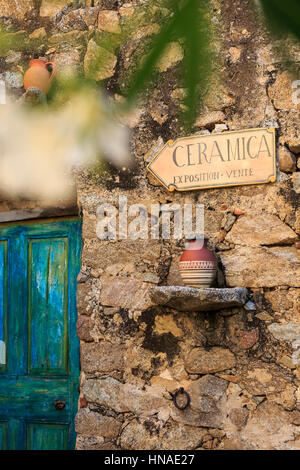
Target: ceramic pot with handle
198, 264
40, 75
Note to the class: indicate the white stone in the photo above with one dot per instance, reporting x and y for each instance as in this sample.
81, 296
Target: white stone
12, 79
264, 229
99, 63
108, 20
286, 332
172, 55
262, 266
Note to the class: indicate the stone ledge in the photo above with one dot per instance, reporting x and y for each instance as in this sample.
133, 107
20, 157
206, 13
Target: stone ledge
191, 299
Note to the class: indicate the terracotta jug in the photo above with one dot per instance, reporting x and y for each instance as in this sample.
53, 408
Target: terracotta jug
198, 264
39, 76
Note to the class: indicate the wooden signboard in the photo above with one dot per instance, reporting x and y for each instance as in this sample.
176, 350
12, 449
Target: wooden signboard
216, 160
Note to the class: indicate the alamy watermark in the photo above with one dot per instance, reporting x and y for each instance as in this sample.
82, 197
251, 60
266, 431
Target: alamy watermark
159, 221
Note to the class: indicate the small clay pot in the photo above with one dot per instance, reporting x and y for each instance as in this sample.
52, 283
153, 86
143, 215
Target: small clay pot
198, 264
39, 76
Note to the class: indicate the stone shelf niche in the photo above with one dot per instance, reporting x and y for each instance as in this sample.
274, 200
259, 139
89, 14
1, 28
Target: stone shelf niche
191, 299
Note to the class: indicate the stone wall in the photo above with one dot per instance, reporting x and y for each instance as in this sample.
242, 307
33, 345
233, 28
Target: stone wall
239, 365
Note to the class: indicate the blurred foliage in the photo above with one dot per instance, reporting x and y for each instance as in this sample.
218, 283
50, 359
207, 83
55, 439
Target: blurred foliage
283, 21
188, 22
283, 16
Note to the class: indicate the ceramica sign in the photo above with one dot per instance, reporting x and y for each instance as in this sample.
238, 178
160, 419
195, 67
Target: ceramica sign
216, 160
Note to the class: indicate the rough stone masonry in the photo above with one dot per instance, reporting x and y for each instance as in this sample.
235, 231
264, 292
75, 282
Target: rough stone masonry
240, 365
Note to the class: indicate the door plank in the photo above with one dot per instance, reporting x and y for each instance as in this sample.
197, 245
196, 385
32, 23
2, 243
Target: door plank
47, 436
3, 435
3, 305
15, 434
48, 307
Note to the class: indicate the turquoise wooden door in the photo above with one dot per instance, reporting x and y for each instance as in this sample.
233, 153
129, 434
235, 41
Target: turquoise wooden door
39, 350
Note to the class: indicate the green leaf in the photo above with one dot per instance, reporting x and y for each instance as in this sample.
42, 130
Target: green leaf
156, 50
283, 16
189, 23
197, 63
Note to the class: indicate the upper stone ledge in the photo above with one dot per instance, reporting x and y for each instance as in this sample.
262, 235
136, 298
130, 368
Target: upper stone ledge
191, 299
